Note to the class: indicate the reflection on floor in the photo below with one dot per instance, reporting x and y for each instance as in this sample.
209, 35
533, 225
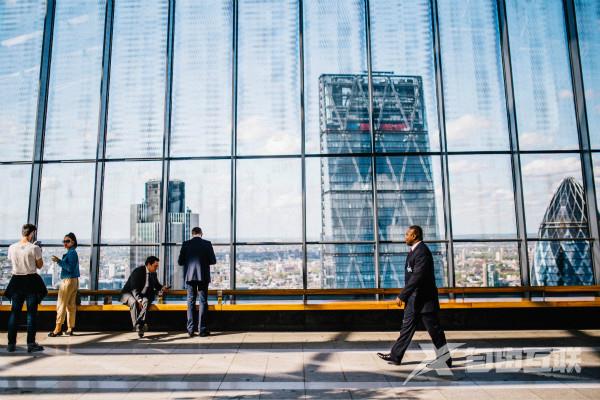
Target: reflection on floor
306, 365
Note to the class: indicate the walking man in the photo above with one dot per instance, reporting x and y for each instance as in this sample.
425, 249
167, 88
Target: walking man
421, 301
196, 257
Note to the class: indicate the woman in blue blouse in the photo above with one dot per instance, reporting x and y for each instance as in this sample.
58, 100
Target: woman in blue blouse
67, 292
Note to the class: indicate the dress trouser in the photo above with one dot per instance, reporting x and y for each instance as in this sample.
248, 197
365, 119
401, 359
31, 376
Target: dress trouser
193, 289
411, 318
67, 303
138, 312
15, 310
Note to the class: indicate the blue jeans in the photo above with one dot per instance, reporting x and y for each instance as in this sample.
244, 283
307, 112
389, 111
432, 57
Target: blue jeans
193, 289
15, 310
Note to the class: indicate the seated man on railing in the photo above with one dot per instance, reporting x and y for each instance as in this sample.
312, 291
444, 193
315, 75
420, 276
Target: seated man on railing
139, 292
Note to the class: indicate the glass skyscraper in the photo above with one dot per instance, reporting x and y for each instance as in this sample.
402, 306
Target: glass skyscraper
406, 193
564, 260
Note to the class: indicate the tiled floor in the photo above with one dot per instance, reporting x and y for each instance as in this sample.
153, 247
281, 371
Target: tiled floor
307, 365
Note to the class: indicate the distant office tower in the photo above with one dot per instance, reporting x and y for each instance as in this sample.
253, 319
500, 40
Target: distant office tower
145, 221
568, 261
405, 183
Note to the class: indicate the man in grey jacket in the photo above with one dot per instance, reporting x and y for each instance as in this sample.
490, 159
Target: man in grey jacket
196, 257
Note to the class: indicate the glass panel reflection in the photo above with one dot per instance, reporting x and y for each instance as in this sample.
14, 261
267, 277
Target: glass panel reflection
339, 200
199, 195
131, 202
201, 120
74, 97
392, 259
472, 75
268, 77
482, 198
269, 200
268, 267
117, 262
560, 263
341, 266
402, 44
219, 273
21, 31
542, 75
334, 43
588, 30
490, 264
137, 79
50, 273
14, 201
66, 202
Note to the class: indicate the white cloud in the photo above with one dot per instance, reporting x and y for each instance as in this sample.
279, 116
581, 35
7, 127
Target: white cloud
467, 126
532, 139
16, 40
545, 167
263, 136
565, 94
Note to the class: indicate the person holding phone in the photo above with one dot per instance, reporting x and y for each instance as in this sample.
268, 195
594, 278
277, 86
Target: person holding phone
66, 306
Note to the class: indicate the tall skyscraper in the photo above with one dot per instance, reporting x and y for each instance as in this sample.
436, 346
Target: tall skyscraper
568, 261
145, 221
406, 194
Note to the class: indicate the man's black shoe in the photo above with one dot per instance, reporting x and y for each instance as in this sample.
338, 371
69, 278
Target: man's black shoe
387, 357
204, 334
140, 330
191, 334
11, 348
33, 347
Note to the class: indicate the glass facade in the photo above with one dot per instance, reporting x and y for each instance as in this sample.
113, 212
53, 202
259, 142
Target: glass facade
304, 137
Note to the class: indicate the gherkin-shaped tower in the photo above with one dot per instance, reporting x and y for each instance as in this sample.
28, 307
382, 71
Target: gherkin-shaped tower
568, 261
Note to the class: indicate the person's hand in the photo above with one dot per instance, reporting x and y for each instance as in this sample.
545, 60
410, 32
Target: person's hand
139, 304
165, 289
55, 259
398, 301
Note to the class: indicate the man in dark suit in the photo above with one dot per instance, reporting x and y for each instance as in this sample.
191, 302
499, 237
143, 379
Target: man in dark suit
421, 301
196, 257
139, 292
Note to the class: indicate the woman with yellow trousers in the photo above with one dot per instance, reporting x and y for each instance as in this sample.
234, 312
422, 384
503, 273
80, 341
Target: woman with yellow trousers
67, 292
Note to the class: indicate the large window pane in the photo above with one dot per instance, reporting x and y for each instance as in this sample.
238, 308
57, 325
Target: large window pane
402, 44
268, 77
200, 195
482, 200
201, 123
50, 273
137, 79
392, 258
335, 43
409, 192
339, 199
489, 264
269, 200
588, 27
219, 273
554, 195
117, 262
21, 31
561, 263
73, 102
131, 202
14, 201
541, 73
66, 202
268, 267
472, 72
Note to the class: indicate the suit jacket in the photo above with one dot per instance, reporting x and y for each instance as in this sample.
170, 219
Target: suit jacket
420, 292
196, 257
137, 281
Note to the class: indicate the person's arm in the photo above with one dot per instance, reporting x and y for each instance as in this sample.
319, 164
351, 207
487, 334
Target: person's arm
182, 255
213, 259
39, 261
69, 262
135, 292
419, 269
